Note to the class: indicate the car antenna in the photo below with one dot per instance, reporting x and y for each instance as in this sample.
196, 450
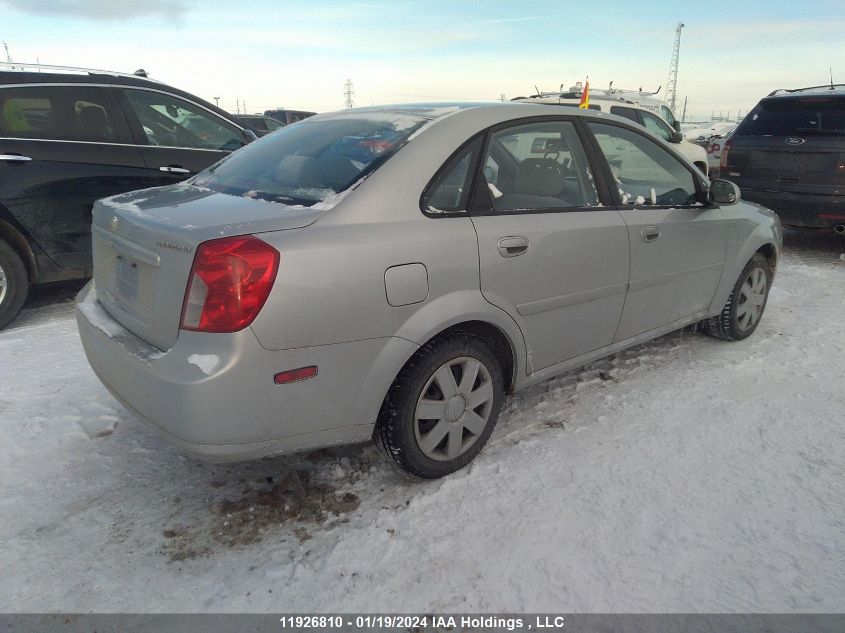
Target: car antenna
141, 73
830, 68
537, 89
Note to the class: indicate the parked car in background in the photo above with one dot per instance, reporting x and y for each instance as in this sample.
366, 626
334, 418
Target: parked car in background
702, 134
258, 123
68, 138
789, 155
288, 116
395, 273
634, 112
714, 151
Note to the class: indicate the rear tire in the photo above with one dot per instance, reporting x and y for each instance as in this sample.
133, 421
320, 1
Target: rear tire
744, 309
14, 285
442, 407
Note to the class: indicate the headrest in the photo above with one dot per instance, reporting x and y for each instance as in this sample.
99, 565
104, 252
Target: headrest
539, 176
295, 171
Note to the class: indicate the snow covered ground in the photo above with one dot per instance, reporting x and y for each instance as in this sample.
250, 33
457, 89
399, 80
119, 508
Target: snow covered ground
687, 474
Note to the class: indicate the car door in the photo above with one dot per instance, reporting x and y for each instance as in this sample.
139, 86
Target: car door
178, 138
550, 255
61, 148
677, 240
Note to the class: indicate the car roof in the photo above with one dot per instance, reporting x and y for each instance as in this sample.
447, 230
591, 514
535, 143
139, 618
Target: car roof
830, 90
16, 77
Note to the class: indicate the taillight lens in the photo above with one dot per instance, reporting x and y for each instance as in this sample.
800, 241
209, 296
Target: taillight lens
230, 280
723, 161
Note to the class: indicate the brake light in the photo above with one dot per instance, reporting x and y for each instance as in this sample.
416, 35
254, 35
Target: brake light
723, 161
230, 280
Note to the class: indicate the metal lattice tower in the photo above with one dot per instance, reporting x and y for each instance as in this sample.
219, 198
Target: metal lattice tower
672, 82
348, 93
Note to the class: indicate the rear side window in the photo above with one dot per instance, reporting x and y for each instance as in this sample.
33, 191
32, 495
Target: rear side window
536, 166
628, 113
62, 113
306, 163
449, 190
795, 116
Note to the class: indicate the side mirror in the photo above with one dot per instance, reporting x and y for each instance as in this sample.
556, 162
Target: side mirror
677, 126
723, 192
676, 137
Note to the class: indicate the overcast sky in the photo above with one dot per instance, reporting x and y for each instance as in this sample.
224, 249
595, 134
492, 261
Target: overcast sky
299, 54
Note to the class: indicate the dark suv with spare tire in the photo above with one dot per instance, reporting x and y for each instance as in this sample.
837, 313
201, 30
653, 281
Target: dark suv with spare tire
68, 138
788, 154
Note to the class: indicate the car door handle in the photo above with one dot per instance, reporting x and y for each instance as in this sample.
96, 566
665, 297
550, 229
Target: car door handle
14, 157
512, 246
174, 169
649, 233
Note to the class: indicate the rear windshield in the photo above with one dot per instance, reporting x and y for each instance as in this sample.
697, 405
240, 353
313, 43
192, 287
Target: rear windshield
792, 116
307, 163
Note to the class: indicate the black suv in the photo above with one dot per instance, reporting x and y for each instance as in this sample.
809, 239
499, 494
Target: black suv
67, 139
788, 154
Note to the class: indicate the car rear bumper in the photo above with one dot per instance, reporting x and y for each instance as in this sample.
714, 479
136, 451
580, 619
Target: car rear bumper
213, 395
800, 209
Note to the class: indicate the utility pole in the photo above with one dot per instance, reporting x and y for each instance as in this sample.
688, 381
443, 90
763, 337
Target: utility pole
684, 115
8, 56
348, 93
672, 83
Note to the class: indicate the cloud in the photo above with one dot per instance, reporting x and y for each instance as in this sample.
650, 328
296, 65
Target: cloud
102, 9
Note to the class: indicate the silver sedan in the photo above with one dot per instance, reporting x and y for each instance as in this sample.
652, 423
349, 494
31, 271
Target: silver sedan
392, 272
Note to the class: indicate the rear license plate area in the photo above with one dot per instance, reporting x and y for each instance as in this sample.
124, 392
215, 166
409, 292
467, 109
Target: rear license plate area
127, 279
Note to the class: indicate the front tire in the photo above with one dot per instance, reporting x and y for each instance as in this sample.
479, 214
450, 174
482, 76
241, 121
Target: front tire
14, 286
442, 407
744, 309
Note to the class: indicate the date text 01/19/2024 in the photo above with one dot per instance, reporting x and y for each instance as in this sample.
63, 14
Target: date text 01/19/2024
421, 621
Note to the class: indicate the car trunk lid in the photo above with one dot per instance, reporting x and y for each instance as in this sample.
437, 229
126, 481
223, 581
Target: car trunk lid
144, 244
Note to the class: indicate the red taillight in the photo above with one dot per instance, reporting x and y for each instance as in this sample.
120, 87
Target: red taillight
723, 161
230, 280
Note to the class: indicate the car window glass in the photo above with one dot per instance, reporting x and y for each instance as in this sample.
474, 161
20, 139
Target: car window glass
309, 162
258, 123
449, 190
57, 113
272, 124
173, 122
658, 127
795, 116
667, 115
644, 172
628, 113
538, 166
